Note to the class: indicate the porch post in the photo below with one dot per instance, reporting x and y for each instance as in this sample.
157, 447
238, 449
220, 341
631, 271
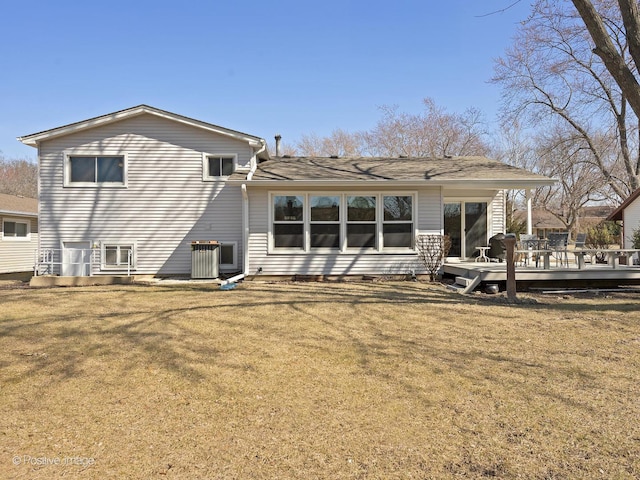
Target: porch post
529, 213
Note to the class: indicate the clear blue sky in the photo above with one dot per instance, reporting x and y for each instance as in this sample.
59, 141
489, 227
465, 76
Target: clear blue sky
261, 67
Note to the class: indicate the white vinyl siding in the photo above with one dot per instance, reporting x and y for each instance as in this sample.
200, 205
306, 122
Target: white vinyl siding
18, 254
165, 206
631, 221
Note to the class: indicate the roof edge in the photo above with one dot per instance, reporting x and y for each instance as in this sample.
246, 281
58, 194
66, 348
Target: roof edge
33, 139
617, 213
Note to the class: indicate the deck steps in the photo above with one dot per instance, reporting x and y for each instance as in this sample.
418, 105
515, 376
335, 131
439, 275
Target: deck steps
465, 285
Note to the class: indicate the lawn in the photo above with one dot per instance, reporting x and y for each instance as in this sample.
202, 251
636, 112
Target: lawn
316, 380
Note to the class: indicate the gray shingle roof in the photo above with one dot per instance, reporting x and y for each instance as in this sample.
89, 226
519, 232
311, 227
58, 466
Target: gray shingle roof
412, 169
14, 204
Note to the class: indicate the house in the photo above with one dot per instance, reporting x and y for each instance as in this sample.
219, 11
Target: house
19, 240
629, 214
132, 189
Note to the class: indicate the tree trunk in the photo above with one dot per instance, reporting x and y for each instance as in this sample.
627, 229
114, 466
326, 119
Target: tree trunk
605, 49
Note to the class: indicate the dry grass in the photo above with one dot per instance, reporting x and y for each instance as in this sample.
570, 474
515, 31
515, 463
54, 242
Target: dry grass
363, 381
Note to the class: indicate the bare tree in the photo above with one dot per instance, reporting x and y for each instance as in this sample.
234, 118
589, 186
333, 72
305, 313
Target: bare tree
551, 73
18, 177
605, 35
432, 133
340, 143
562, 154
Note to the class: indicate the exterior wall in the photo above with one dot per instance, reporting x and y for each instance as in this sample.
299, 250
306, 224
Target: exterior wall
429, 220
631, 221
18, 255
165, 205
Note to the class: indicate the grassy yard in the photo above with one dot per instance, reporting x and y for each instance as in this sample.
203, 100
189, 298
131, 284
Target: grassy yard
292, 381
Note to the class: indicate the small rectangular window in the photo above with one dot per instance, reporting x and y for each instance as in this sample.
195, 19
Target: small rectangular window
117, 256
220, 166
14, 229
226, 254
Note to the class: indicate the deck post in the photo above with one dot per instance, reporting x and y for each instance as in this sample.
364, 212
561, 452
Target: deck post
510, 244
528, 196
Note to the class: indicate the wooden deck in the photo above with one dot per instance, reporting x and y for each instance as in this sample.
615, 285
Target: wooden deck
532, 277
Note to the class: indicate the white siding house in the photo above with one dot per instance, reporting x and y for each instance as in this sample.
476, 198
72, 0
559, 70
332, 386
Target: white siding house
629, 213
18, 233
131, 190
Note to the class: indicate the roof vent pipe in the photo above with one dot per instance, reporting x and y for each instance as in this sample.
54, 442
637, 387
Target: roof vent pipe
278, 138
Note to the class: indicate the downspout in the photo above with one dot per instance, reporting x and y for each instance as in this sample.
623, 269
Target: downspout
245, 218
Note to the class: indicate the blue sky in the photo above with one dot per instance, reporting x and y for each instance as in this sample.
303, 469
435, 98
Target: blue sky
288, 67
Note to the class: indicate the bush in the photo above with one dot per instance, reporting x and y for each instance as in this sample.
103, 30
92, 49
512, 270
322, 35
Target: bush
602, 236
432, 250
635, 238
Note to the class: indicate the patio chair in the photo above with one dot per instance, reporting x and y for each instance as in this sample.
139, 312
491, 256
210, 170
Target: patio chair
581, 240
557, 242
529, 242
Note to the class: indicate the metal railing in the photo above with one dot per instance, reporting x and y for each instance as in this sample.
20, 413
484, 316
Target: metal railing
74, 262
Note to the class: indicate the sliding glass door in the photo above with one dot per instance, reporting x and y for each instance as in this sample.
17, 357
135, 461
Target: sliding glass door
466, 225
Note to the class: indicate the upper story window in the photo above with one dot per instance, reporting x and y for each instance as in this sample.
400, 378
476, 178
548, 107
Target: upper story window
219, 166
15, 230
81, 170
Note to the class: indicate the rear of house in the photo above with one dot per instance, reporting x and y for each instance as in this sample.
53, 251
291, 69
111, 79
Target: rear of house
19, 239
130, 191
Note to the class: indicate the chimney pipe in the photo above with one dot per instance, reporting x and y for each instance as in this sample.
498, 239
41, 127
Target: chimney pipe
278, 138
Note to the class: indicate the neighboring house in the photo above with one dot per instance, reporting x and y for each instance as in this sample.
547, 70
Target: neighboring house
143, 183
544, 222
19, 240
629, 214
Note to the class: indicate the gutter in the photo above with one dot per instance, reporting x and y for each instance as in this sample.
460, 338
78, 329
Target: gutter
458, 183
245, 218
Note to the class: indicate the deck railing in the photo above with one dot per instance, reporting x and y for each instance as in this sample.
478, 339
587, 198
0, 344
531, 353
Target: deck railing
76, 262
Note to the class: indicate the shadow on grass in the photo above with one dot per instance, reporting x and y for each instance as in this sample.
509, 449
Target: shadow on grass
129, 331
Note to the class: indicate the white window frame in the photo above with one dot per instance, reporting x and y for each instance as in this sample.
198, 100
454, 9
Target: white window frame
344, 249
397, 222
206, 176
118, 243
15, 238
67, 170
229, 266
